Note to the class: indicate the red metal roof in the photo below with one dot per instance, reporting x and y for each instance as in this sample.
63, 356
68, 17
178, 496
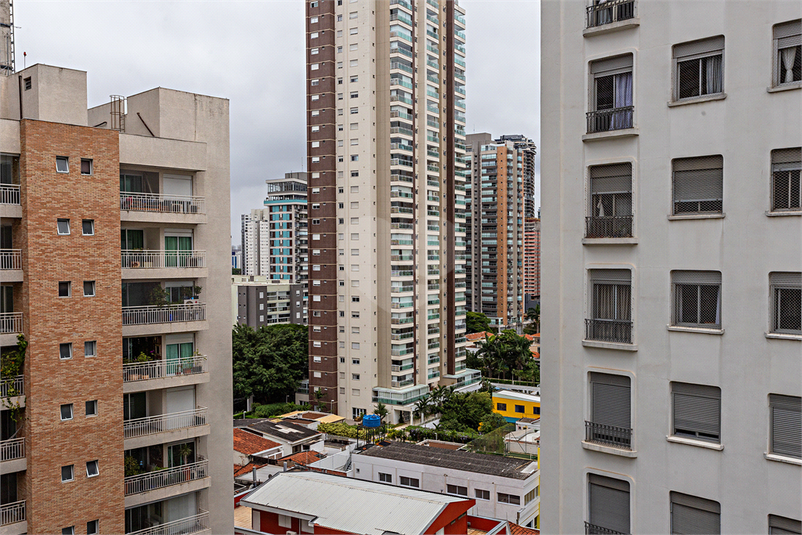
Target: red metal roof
249, 443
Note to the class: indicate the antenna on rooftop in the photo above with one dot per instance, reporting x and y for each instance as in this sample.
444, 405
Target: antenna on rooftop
6, 37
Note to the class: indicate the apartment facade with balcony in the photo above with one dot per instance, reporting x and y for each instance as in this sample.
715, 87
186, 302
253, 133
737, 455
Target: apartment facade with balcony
121, 345
672, 347
531, 262
387, 173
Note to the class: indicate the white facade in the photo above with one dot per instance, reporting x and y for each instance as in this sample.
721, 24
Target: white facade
664, 356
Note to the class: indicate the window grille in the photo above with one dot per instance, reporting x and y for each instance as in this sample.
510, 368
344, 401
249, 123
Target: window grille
785, 177
611, 105
690, 514
779, 525
697, 411
608, 505
699, 68
698, 185
697, 299
786, 302
610, 420
610, 201
611, 306
788, 57
603, 12
786, 425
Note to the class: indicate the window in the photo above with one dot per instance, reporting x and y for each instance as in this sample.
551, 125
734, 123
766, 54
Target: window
353, 94
92, 527
88, 227
611, 306
68, 531
285, 521
91, 408
314, 66
780, 525
786, 303
409, 482
354, 220
355, 377
354, 189
698, 185
519, 408
501, 406
355, 299
354, 141
90, 348
610, 419
456, 489
786, 425
610, 201
65, 351
385, 478
690, 514
353, 31
352, 15
63, 226
482, 494
354, 78
353, 46
354, 345
786, 185
509, 498
355, 362
354, 62
355, 314
608, 505
355, 157
530, 496
313, 20
354, 111
67, 473
600, 14
354, 252
788, 52
697, 299
86, 166
611, 98
66, 412
699, 68
62, 164
92, 469
697, 411
28, 83
89, 288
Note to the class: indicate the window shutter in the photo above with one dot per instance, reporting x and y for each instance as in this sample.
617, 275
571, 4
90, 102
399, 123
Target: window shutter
609, 503
696, 277
779, 525
611, 178
787, 156
611, 64
786, 425
788, 34
697, 409
614, 276
786, 280
703, 46
698, 178
611, 400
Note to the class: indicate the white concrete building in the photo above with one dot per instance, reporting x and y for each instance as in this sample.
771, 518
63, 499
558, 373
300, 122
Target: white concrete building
671, 219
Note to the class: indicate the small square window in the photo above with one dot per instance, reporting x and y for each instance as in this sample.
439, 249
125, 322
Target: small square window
88, 227
92, 469
91, 408
354, 78
355, 377
354, 111
89, 288
90, 349
62, 164
66, 413
67, 473
65, 351
92, 527
86, 166
355, 157
64, 289
27, 82
63, 226
68, 531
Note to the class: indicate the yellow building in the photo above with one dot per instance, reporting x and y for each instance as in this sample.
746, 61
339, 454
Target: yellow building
515, 405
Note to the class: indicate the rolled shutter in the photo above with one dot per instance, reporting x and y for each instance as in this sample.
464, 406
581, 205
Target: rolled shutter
698, 178
696, 277
702, 46
788, 34
786, 425
786, 280
609, 503
611, 400
693, 515
779, 525
697, 409
611, 276
615, 178
611, 64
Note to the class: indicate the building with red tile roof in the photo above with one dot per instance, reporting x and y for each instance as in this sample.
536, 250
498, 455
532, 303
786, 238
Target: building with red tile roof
247, 444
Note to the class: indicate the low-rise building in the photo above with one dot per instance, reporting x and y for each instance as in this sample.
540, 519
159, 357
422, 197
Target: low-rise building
516, 405
248, 446
257, 301
293, 438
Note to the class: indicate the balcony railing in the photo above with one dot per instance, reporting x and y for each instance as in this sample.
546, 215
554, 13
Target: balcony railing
11, 322
613, 119
133, 259
592, 529
158, 369
619, 331
12, 449
184, 526
10, 259
619, 226
11, 513
153, 314
150, 425
165, 204
166, 478
608, 12
9, 194
610, 435
12, 387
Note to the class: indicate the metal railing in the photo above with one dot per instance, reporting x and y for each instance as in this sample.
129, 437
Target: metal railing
15, 386
618, 226
150, 425
133, 259
165, 478
165, 204
610, 435
185, 526
152, 314
11, 513
10, 322
9, 194
12, 449
612, 119
604, 330
609, 11
593, 529
10, 259
157, 369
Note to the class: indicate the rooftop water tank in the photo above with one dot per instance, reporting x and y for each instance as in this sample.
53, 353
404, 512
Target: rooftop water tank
371, 421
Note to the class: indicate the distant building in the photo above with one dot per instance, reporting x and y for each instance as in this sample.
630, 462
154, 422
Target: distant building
292, 437
531, 262
515, 405
236, 257
259, 301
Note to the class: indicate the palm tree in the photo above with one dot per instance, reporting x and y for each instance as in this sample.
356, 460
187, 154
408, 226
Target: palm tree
422, 407
381, 411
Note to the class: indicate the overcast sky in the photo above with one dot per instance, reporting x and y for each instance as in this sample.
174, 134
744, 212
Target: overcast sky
253, 54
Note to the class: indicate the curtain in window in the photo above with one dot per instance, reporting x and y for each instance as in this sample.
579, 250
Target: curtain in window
788, 57
714, 75
623, 99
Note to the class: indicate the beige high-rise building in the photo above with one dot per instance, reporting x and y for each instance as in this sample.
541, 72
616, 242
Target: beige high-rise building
387, 171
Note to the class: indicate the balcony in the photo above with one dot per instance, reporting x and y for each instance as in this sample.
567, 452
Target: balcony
10, 260
163, 317
13, 449
141, 432
592, 529
12, 387
608, 435
10, 323
160, 207
186, 526
159, 479
604, 330
612, 119
140, 376
609, 12
9, 194
608, 226
135, 259
12, 513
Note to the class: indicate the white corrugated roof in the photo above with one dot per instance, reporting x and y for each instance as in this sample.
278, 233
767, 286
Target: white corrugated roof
351, 505
509, 394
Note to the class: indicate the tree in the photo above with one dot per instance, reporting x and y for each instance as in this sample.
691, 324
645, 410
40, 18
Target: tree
381, 411
476, 322
505, 353
236, 271
269, 363
466, 410
423, 407
319, 395
533, 315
